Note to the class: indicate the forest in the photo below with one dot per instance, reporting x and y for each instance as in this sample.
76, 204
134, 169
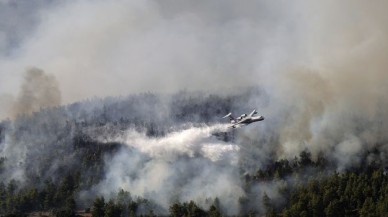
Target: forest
51, 162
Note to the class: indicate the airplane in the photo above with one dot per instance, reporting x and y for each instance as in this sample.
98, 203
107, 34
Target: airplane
243, 119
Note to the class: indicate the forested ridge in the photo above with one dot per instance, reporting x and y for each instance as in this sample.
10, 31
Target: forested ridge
63, 164
360, 192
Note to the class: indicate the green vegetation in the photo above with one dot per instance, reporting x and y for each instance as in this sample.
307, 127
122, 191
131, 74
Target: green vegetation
347, 194
360, 192
61, 162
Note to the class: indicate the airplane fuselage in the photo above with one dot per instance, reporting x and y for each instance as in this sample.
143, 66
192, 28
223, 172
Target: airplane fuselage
251, 120
244, 119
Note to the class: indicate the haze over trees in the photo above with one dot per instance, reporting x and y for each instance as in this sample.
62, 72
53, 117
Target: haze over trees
55, 164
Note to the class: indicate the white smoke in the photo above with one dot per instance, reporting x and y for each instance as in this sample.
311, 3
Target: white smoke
188, 142
190, 164
130, 46
322, 66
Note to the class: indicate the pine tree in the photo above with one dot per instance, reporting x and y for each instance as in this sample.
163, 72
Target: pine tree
368, 208
98, 209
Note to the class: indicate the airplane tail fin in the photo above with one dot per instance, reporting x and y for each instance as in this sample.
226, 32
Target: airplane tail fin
253, 113
231, 118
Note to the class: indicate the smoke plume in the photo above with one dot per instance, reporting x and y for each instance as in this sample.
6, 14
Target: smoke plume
319, 69
38, 91
186, 165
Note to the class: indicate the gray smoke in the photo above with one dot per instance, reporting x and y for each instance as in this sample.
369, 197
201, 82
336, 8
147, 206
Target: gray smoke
320, 65
119, 47
38, 91
186, 165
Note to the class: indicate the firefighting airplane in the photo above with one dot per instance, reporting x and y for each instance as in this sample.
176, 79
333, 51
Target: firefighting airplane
243, 119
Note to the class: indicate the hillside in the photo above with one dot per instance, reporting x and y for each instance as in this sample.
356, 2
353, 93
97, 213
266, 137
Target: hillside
148, 154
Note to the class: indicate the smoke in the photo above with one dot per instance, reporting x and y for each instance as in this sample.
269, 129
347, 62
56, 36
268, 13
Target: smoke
38, 91
6, 101
321, 68
186, 165
18, 19
129, 47
336, 104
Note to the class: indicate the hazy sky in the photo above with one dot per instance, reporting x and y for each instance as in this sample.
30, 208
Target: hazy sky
100, 48
322, 65
316, 60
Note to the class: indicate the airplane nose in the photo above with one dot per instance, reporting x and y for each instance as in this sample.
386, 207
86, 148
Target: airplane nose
262, 117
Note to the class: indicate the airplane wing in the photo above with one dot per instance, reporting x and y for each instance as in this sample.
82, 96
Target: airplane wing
252, 113
231, 118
